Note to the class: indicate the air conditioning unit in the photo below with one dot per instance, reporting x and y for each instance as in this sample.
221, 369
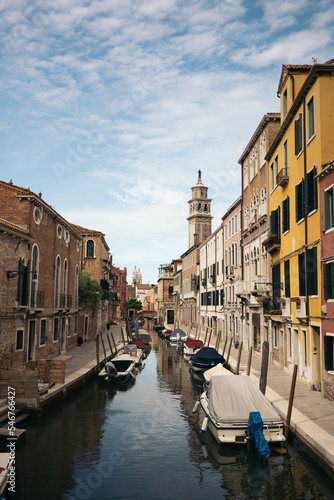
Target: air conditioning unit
301, 308
16, 304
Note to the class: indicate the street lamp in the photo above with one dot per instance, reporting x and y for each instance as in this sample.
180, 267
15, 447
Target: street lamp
13, 274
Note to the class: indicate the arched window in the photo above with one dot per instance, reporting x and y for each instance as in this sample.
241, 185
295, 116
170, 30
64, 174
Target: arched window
90, 249
76, 286
232, 255
236, 254
34, 277
57, 281
245, 176
65, 279
262, 150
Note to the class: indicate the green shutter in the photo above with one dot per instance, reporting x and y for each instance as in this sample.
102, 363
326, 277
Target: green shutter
287, 277
328, 345
312, 271
301, 274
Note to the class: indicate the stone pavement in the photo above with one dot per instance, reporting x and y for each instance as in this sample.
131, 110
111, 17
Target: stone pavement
79, 356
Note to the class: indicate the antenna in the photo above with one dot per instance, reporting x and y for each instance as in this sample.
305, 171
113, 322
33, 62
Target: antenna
315, 59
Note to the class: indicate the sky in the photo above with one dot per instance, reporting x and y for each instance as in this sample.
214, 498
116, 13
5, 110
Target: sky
110, 107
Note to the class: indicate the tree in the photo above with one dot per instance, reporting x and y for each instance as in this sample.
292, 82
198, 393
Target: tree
90, 292
134, 304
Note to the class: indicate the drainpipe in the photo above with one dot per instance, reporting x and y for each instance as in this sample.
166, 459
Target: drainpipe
305, 215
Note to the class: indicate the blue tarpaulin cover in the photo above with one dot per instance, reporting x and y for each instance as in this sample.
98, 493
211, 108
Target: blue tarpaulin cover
255, 426
206, 354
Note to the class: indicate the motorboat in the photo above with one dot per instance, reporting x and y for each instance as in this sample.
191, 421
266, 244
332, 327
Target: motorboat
228, 404
144, 336
206, 358
119, 369
216, 370
178, 335
6, 460
192, 346
134, 351
166, 333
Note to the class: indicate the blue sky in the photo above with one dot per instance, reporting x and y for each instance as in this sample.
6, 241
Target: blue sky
114, 105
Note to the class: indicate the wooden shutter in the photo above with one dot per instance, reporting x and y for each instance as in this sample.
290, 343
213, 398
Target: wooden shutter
301, 273
312, 271
287, 277
323, 212
328, 345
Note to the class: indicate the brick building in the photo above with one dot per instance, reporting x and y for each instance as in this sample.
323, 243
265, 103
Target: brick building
40, 261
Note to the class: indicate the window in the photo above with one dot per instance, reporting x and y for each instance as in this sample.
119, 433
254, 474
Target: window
272, 180
245, 176
311, 198
287, 278
90, 249
329, 280
19, 340
55, 329
275, 170
275, 337
310, 118
308, 272
299, 195
170, 316
262, 150
275, 224
37, 215
329, 352
57, 282
221, 297
69, 327
298, 135
285, 215
43, 332
22, 283
276, 279
327, 209
285, 157
34, 283
285, 102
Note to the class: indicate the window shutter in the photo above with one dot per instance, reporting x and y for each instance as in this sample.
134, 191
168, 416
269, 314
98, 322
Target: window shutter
297, 202
312, 271
287, 277
276, 278
323, 212
278, 223
315, 189
301, 273
328, 344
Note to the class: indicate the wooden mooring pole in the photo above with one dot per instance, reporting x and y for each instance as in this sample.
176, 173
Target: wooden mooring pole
113, 340
104, 349
223, 351
249, 360
292, 395
97, 352
264, 367
229, 350
109, 342
239, 358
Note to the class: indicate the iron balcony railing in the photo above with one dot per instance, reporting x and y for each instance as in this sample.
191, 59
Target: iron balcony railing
37, 299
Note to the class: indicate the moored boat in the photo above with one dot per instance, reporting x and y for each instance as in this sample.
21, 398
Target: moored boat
178, 335
134, 351
5, 463
192, 346
206, 358
226, 405
120, 369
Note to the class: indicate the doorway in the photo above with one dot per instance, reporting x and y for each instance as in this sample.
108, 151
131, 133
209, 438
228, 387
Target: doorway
316, 368
31, 340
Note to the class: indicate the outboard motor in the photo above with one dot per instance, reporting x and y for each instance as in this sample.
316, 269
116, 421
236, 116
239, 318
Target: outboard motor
255, 429
111, 370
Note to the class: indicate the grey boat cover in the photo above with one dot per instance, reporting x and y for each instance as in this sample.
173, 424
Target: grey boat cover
233, 398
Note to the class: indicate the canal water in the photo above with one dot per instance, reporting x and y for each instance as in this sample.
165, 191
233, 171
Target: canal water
143, 442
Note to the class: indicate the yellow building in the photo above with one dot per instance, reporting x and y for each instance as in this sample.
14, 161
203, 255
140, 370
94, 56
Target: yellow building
303, 144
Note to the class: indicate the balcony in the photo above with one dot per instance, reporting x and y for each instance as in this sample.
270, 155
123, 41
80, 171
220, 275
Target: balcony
259, 285
37, 300
272, 243
282, 177
65, 301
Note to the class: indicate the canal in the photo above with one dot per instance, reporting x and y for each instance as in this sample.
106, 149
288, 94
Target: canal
143, 442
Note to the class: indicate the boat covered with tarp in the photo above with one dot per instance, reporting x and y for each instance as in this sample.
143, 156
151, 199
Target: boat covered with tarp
206, 358
227, 403
178, 335
191, 346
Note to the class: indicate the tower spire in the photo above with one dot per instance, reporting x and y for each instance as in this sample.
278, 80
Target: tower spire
200, 218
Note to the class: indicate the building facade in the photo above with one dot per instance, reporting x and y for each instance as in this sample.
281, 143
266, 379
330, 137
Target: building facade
254, 290
302, 145
40, 264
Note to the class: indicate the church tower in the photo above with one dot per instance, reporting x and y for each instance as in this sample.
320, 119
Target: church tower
200, 218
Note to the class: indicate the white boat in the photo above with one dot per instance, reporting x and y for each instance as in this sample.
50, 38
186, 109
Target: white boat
133, 351
5, 464
191, 346
178, 335
216, 370
226, 405
119, 369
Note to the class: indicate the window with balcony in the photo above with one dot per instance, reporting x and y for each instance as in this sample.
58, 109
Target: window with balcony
275, 225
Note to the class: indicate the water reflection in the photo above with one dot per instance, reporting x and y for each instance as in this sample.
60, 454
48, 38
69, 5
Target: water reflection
142, 441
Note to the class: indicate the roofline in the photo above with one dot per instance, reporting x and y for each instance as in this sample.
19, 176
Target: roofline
268, 117
232, 207
325, 170
315, 72
14, 229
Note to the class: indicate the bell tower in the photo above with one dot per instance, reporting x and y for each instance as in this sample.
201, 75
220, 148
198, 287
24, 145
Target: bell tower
200, 218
